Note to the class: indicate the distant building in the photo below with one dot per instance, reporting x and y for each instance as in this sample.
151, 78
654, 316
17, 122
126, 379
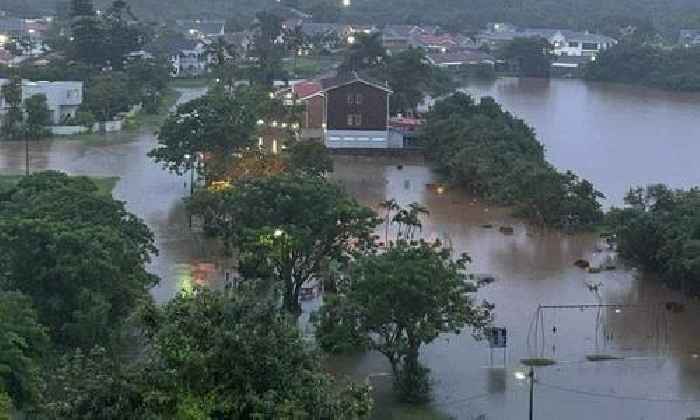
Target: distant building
399, 37
564, 42
457, 59
62, 98
187, 57
202, 29
689, 38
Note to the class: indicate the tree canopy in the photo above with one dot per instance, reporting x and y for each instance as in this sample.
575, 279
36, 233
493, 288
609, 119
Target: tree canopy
396, 300
641, 63
498, 157
77, 254
660, 230
287, 225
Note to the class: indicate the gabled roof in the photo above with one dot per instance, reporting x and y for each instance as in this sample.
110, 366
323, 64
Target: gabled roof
347, 79
320, 28
306, 89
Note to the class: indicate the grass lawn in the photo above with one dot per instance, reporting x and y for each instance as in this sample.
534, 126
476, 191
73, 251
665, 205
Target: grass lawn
105, 184
309, 66
190, 83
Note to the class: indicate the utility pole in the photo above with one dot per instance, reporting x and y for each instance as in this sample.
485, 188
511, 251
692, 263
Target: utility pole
532, 390
26, 152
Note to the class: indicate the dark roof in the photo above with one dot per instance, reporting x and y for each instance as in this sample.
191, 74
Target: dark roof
319, 28
170, 45
348, 78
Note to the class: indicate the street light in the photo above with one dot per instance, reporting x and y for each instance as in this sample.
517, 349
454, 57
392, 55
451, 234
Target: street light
188, 158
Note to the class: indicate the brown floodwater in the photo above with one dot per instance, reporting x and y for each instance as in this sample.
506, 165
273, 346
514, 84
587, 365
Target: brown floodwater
616, 136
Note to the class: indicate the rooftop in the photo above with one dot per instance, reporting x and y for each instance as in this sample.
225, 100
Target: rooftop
348, 78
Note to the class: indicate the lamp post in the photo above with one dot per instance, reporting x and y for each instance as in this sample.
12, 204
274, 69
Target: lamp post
189, 159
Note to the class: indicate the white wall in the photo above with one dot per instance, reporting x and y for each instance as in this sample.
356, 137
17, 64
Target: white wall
352, 139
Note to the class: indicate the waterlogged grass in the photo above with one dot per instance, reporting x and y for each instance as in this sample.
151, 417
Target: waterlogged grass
105, 184
407, 412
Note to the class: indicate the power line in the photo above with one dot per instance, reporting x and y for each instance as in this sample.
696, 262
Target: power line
615, 396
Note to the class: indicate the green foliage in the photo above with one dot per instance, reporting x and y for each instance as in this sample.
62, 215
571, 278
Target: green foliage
530, 57
13, 119
498, 157
640, 63
410, 77
106, 96
84, 385
104, 40
289, 224
243, 357
399, 300
266, 50
23, 341
366, 52
217, 125
310, 158
78, 254
38, 116
660, 231
146, 81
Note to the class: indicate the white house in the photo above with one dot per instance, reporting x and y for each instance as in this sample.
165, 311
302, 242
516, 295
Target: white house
565, 43
62, 98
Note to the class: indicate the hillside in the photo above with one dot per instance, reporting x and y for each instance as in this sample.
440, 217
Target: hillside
666, 15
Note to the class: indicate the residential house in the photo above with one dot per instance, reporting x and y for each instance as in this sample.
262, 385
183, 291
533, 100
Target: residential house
346, 112
460, 58
399, 37
329, 35
62, 98
188, 57
689, 38
202, 29
564, 42
356, 114
436, 43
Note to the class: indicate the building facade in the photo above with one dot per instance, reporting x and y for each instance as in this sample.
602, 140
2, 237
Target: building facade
62, 98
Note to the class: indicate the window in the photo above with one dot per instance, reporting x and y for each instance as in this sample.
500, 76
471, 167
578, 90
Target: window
573, 44
591, 46
354, 120
355, 99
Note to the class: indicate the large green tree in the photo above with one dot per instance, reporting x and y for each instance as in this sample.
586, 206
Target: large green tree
530, 57
365, 52
217, 126
14, 117
498, 157
38, 116
23, 343
77, 253
287, 225
397, 300
240, 358
660, 231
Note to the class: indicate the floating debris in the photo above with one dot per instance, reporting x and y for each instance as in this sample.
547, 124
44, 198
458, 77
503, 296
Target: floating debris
602, 357
487, 226
506, 230
538, 361
594, 270
581, 263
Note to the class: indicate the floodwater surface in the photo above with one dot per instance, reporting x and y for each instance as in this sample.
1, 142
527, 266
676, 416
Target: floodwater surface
617, 136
